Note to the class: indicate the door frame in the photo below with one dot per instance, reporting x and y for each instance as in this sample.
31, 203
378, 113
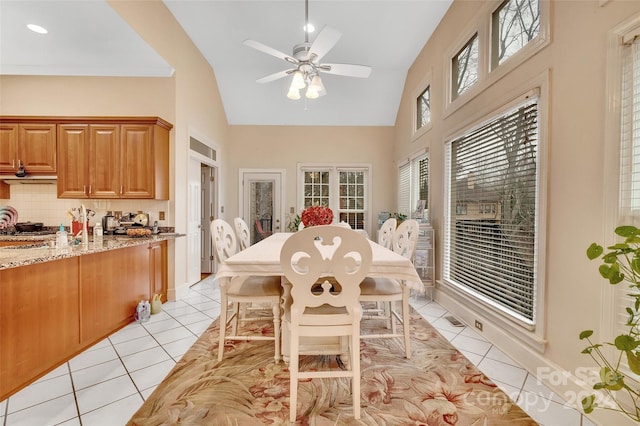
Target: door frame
215, 187
244, 174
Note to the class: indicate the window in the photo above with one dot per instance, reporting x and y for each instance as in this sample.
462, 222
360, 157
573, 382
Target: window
630, 131
343, 189
490, 211
423, 108
464, 67
413, 187
514, 24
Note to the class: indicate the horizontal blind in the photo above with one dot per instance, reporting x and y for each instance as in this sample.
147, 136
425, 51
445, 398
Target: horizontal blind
491, 217
629, 165
404, 188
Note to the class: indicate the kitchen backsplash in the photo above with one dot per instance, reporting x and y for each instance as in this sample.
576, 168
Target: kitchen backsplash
39, 203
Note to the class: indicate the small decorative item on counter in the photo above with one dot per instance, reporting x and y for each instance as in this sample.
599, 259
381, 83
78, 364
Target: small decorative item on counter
97, 233
138, 232
156, 304
61, 238
316, 215
143, 311
8, 217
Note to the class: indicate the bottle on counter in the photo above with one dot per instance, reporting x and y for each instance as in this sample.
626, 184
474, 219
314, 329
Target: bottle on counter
61, 238
97, 232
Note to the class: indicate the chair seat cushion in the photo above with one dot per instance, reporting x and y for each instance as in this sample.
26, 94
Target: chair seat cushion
259, 287
323, 316
379, 286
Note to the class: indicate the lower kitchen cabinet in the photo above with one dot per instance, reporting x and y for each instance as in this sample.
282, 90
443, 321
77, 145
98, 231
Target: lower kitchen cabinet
51, 311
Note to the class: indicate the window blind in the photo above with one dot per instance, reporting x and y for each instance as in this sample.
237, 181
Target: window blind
404, 188
629, 212
490, 249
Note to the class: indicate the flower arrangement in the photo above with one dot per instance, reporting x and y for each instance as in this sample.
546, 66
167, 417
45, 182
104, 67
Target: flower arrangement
317, 215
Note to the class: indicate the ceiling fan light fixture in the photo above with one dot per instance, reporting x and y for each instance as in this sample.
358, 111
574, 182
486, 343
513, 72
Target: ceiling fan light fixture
298, 81
316, 88
293, 94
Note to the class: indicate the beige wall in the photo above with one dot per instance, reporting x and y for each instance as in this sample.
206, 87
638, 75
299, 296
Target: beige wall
576, 198
261, 147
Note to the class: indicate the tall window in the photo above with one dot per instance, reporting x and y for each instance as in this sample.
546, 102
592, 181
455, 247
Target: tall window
423, 108
413, 188
464, 67
343, 189
514, 24
491, 206
630, 131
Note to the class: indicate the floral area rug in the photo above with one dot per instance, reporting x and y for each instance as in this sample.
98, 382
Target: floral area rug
437, 386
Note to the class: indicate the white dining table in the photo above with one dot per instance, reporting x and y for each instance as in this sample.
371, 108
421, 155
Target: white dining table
263, 259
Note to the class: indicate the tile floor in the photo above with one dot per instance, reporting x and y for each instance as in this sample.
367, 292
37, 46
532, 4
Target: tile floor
108, 382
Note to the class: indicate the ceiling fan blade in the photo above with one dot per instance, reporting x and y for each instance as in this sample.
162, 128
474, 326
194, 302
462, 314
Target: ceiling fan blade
327, 38
269, 50
349, 70
275, 76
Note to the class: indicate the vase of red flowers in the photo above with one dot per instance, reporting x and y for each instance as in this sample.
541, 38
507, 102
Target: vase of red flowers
316, 215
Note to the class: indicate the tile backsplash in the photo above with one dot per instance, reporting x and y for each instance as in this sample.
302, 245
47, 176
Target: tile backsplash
39, 203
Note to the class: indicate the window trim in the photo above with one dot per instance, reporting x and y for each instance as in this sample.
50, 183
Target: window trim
532, 336
415, 132
334, 195
487, 76
607, 324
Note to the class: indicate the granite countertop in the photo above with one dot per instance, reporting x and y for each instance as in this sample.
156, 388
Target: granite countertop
16, 256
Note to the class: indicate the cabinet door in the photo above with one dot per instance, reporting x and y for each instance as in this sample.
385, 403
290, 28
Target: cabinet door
158, 269
8, 148
37, 148
137, 171
104, 161
73, 164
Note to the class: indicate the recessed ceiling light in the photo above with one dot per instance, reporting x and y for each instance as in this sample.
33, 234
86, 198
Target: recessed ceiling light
37, 29
309, 28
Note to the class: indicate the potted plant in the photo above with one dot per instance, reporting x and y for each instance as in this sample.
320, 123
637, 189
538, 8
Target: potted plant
621, 263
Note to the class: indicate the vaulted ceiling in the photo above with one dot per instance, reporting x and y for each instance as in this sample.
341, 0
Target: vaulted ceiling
90, 38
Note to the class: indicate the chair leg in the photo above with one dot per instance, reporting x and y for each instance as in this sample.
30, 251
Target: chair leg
223, 323
235, 318
355, 369
406, 322
276, 330
293, 376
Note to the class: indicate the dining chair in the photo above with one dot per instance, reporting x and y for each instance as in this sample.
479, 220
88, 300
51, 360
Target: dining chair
241, 290
385, 234
338, 258
242, 233
387, 291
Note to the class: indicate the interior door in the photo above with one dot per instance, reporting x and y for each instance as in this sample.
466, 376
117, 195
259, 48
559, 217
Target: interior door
207, 179
194, 225
261, 206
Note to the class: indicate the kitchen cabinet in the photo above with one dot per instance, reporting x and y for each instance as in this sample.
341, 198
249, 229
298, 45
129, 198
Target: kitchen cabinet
123, 158
32, 145
53, 310
424, 260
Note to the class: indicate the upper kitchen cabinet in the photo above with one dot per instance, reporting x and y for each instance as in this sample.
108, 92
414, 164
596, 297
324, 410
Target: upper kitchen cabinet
114, 158
31, 145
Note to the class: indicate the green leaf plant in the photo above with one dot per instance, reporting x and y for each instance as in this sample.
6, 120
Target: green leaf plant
620, 263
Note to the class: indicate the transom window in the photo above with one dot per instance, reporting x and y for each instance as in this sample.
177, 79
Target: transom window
344, 189
514, 24
464, 67
423, 108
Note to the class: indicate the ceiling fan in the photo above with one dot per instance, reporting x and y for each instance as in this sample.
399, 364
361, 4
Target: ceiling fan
305, 62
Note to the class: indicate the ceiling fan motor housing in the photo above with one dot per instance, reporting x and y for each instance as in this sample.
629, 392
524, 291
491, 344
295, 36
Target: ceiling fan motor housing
301, 51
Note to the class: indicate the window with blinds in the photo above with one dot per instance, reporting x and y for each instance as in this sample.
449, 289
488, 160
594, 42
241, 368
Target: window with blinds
413, 187
629, 207
490, 232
